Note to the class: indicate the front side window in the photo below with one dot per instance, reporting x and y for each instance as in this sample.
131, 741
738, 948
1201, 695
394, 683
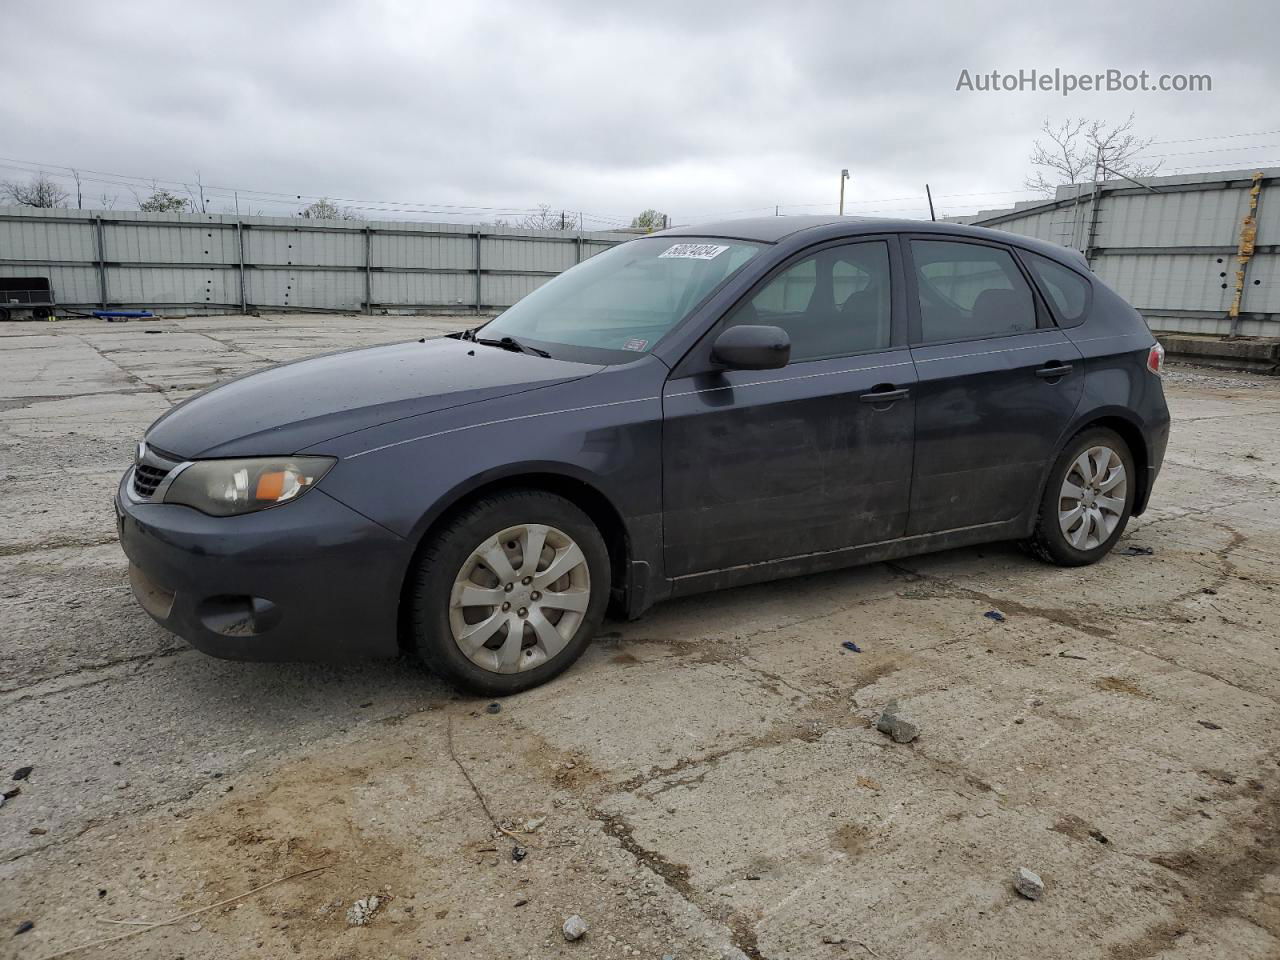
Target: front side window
968, 291
620, 303
831, 304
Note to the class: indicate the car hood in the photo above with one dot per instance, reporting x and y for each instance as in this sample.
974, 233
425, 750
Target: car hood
286, 408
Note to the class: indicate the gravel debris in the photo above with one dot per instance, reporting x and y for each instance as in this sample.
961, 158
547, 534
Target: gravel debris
362, 911
1211, 380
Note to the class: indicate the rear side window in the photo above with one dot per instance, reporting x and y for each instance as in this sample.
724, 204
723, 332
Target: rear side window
968, 291
1067, 289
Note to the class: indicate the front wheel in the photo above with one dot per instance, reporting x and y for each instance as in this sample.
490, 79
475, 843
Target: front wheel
1087, 500
510, 592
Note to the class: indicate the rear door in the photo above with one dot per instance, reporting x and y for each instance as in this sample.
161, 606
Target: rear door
998, 384
762, 465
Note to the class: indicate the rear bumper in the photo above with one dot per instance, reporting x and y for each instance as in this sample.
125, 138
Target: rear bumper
1157, 437
313, 580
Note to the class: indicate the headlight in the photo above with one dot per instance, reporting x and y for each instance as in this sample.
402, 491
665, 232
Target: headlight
225, 488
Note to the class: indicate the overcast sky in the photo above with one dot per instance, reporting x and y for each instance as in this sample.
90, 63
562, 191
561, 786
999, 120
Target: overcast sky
468, 111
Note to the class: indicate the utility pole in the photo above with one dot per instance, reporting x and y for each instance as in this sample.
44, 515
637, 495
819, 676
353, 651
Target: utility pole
928, 193
777, 209
844, 175
1093, 209
562, 220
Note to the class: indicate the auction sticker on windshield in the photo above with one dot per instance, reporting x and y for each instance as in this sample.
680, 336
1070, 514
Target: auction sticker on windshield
694, 251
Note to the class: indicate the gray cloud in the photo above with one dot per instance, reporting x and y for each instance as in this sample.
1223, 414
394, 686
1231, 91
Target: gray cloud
698, 108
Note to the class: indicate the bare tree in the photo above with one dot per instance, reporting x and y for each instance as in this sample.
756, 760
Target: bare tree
1078, 151
39, 191
326, 209
649, 221
548, 219
196, 195
108, 201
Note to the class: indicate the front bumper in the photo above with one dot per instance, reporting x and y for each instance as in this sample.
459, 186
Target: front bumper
309, 580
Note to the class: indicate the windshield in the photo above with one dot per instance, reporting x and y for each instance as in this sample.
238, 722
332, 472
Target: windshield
620, 303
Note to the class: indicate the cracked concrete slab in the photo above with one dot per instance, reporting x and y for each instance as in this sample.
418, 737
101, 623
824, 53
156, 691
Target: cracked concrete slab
708, 780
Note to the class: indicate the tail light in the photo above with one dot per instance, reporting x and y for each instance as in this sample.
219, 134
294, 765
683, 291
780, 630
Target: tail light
1155, 360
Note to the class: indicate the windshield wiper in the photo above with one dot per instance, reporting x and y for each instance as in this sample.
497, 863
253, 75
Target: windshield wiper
511, 343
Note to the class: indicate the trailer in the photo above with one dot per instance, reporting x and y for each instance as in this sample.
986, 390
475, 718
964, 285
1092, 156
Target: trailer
26, 298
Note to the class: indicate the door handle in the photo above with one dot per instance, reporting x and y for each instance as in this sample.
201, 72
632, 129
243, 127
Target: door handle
1054, 370
885, 394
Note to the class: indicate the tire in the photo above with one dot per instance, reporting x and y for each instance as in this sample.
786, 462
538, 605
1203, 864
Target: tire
457, 575
5, 314
1105, 513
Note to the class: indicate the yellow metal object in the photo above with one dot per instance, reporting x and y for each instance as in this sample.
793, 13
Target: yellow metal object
1248, 237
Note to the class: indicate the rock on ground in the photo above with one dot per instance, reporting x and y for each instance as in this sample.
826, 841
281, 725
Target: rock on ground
575, 928
901, 729
1028, 884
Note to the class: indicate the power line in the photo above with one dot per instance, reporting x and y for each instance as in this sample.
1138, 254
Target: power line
226, 193
1203, 166
405, 207
1224, 136
1188, 153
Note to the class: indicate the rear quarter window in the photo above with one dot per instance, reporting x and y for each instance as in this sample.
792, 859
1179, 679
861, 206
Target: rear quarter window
1066, 289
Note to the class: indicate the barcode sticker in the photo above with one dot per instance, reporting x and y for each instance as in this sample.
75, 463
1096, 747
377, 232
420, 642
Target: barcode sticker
635, 343
694, 251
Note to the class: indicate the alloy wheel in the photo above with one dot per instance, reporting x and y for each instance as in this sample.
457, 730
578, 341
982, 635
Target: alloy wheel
1092, 499
519, 598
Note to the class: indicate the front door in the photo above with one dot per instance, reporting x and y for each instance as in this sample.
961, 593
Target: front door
814, 457
998, 386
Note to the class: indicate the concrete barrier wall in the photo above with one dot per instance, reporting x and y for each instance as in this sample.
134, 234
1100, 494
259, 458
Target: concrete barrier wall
1173, 248
221, 263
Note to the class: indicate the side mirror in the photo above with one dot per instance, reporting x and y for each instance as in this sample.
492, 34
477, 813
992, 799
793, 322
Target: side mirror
752, 347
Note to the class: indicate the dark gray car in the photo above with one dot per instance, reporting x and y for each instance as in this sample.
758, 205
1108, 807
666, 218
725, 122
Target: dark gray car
691, 410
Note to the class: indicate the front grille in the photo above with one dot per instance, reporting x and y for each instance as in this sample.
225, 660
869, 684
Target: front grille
150, 467
146, 478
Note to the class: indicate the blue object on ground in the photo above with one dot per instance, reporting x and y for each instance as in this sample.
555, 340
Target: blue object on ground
995, 615
128, 314
850, 645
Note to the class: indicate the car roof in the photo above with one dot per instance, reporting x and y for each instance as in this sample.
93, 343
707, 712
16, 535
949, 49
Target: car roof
819, 228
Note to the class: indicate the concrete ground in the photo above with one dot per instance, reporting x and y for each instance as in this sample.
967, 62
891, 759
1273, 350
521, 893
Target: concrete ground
706, 782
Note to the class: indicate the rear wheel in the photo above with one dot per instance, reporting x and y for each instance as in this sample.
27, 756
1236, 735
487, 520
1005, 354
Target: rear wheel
510, 592
1087, 500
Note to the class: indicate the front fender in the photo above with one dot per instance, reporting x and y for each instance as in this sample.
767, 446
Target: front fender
603, 431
